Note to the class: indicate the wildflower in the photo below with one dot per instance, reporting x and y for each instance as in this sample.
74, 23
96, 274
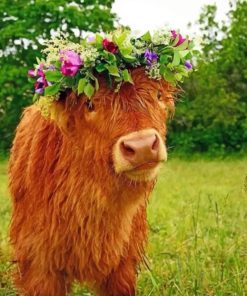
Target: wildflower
40, 85
153, 71
161, 36
31, 73
150, 56
71, 62
180, 40
110, 46
37, 72
91, 39
188, 65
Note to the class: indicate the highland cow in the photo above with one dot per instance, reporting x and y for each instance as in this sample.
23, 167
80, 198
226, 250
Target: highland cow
80, 183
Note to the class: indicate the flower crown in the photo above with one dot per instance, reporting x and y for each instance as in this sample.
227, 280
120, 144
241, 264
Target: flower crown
164, 54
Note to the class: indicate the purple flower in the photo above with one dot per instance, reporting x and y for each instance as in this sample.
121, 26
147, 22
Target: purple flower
52, 68
188, 65
180, 40
150, 56
39, 91
40, 85
71, 62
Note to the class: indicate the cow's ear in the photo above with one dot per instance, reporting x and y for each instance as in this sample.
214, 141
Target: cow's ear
63, 116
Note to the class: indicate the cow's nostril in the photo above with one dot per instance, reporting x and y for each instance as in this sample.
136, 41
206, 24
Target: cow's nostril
155, 145
126, 149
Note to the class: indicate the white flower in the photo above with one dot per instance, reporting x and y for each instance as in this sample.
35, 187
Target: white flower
161, 36
153, 71
54, 47
89, 55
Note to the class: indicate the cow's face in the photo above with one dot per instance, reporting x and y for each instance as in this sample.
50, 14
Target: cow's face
125, 132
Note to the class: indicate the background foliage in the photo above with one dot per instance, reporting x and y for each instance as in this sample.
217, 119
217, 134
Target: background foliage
211, 117
23, 24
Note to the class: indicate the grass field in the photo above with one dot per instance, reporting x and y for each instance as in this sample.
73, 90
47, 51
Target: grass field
198, 231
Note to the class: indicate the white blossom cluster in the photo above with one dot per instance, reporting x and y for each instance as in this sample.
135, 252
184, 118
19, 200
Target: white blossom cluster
161, 36
89, 55
153, 71
55, 45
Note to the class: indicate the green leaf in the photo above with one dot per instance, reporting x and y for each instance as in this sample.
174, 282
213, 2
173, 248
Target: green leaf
146, 37
81, 85
98, 40
126, 50
113, 70
162, 69
126, 76
183, 53
53, 76
129, 58
178, 76
32, 79
191, 44
176, 59
96, 84
69, 81
168, 76
110, 57
175, 40
100, 67
166, 50
89, 90
164, 58
57, 64
119, 38
35, 97
52, 89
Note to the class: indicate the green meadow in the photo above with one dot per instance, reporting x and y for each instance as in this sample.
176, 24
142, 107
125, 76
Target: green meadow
198, 231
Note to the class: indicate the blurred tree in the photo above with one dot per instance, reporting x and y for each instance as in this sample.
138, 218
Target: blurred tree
23, 25
212, 117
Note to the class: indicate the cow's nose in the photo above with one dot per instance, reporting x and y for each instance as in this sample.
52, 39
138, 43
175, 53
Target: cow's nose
141, 150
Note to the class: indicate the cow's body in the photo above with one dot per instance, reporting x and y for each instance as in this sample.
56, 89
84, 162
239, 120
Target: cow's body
74, 218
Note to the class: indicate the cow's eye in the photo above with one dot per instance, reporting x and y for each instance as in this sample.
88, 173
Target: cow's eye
90, 105
159, 95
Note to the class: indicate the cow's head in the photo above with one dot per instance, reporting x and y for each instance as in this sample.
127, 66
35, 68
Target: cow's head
121, 132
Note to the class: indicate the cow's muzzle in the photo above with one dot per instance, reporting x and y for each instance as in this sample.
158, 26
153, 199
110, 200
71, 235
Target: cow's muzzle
139, 154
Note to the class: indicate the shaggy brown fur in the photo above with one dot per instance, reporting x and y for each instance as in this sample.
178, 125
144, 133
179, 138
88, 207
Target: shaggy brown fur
74, 217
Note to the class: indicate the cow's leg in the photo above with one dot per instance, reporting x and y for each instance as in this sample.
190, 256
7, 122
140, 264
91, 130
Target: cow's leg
32, 281
121, 282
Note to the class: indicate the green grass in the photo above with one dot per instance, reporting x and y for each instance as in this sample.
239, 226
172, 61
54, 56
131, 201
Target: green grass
198, 231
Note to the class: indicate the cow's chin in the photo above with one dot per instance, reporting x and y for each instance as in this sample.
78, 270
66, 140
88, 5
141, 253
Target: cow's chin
143, 174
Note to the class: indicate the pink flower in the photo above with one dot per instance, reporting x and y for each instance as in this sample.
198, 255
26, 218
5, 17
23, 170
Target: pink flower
31, 73
41, 82
110, 46
180, 40
38, 72
71, 62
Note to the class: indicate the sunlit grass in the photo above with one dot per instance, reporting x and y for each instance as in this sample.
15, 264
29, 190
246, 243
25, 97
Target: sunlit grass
198, 231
